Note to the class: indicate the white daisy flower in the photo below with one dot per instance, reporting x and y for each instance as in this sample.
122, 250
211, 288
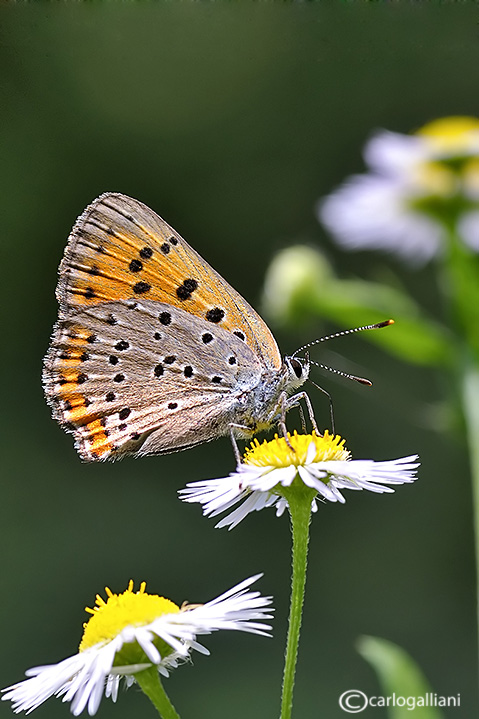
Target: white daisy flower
419, 187
322, 464
131, 632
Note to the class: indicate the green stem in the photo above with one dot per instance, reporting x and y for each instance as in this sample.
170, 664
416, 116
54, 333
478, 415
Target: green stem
149, 682
470, 401
299, 500
461, 284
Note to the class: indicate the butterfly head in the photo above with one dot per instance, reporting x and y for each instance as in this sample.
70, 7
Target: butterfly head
297, 371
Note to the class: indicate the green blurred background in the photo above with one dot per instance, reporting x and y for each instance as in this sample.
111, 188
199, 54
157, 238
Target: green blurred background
230, 120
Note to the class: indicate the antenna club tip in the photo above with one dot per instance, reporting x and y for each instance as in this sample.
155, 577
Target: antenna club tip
386, 323
362, 380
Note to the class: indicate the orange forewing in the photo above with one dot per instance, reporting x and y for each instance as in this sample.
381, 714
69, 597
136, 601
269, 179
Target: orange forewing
120, 249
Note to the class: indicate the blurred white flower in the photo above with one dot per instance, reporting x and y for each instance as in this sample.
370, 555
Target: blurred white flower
131, 632
469, 229
322, 464
420, 188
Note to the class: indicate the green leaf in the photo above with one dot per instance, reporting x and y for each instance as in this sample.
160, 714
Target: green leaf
399, 675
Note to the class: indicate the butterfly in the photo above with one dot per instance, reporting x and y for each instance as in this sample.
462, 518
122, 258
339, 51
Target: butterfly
154, 351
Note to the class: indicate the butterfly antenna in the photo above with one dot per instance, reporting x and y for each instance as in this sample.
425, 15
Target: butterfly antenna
361, 380
376, 326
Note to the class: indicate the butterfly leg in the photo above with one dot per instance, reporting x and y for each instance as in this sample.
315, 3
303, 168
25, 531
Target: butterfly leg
282, 420
236, 451
331, 410
288, 402
303, 419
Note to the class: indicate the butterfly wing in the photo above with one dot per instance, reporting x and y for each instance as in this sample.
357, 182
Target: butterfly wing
120, 249
143, 377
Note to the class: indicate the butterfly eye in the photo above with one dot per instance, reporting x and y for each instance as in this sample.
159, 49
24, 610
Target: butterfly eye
297, 367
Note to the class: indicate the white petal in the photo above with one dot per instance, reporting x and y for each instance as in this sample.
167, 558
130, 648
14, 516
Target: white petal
237, 588
213, 493
311, 453
235, 609
175, 635
145, 640
371, 475
281, 505
128, 669
317, 484
468, 229
200, 648
394, 154
254, 503
372, 212
278, 475
87, 688
44, 682
112, 686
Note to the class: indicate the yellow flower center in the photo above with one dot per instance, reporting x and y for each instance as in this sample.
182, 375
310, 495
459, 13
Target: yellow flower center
436, 179
276, 452
122, 610
451, 135
446, 182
